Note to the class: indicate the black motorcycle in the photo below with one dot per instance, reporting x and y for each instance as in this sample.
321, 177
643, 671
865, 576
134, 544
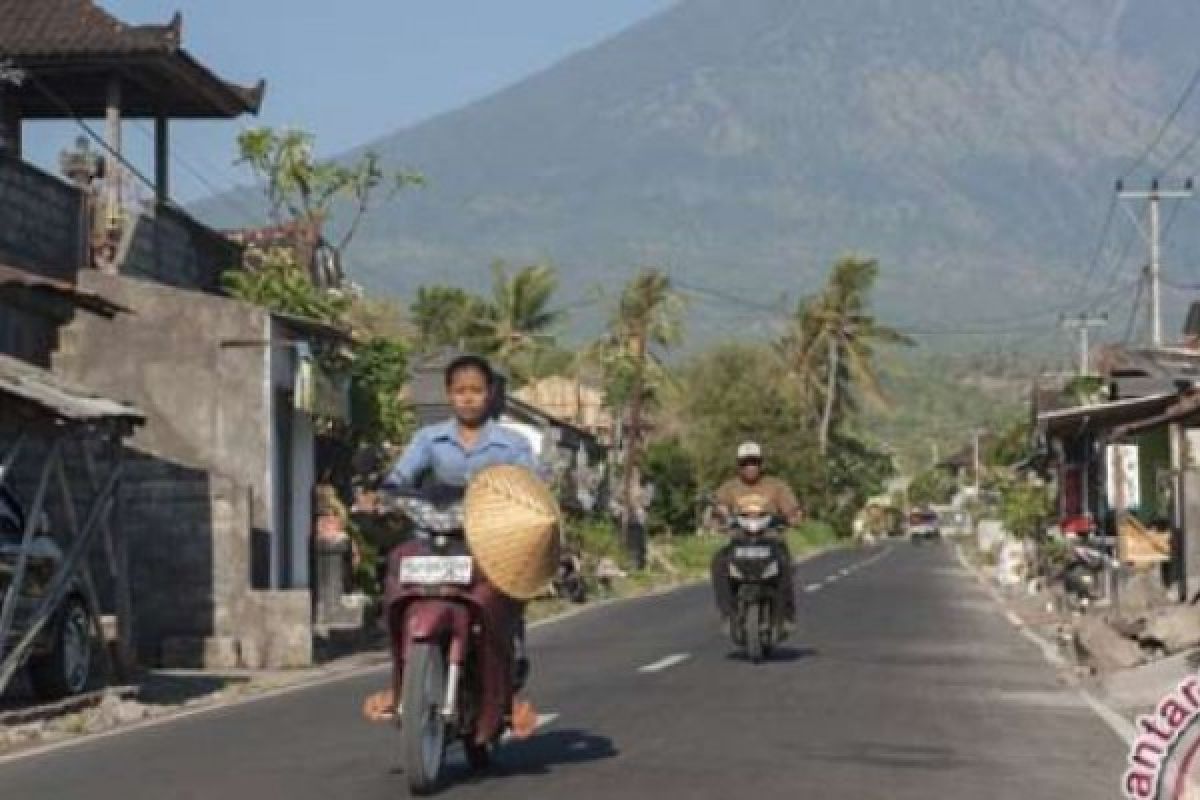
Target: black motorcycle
755, 564
569, 583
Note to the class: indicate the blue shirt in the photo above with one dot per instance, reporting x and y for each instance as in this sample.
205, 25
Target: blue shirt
437, 447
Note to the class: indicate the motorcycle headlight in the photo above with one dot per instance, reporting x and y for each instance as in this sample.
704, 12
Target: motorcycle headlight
772, 570
753, 524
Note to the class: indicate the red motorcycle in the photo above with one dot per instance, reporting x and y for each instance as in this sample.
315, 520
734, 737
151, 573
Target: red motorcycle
451, 634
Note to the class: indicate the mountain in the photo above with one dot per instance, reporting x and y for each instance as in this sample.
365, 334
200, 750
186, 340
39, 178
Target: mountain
971, 145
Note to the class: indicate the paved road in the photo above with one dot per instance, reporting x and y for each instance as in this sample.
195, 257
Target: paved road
906, 683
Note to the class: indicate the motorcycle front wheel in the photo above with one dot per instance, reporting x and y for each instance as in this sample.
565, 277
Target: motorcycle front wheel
753, 632
424, 730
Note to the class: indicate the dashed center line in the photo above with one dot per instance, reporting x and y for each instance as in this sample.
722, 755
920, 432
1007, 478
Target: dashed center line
664, 664
812, 587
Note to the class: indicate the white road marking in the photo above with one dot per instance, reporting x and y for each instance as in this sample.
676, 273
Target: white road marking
1014, 619
831, 579
666, 663
813, 587
844, 573
1122, 727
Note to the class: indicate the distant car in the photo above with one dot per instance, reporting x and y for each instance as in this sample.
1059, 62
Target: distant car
60, 663
923, 526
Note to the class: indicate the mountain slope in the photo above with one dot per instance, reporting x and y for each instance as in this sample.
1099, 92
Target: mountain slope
970, 144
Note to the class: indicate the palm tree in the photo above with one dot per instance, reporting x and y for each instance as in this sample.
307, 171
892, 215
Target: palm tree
831, 346
444, 316
518, 321
647, 316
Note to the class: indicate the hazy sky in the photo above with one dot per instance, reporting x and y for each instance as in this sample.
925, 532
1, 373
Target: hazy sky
352, 70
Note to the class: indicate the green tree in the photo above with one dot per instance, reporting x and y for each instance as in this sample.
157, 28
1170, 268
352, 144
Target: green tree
647, 319
669, 467
379, 371
280, 285
518, 321
832, 344
304, 188
1025, 507
444, 316
932, 487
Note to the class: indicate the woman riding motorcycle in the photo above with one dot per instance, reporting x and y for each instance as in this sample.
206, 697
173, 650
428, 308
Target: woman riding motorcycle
451, 452
752, 487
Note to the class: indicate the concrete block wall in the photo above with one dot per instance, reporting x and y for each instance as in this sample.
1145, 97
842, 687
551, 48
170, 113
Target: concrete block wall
195, 364
171, 248
42, 224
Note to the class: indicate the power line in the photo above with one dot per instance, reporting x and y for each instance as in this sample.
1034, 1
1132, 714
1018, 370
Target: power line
1105, 228
1162, 130
176, 156
95, 137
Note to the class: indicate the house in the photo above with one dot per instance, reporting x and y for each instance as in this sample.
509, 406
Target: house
1126, 455
216, 497
571, 400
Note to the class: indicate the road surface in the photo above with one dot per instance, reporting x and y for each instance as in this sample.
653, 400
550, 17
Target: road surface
906, 681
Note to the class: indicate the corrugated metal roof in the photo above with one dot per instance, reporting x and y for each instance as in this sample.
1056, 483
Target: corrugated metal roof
32, 385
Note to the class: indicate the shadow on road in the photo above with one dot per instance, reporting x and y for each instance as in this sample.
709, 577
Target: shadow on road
539, 755
780, 655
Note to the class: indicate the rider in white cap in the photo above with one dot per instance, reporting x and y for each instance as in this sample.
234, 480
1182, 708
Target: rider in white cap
751, 485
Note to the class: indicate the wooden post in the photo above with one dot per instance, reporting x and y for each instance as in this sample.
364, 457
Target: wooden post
126, 652
10, 124
162, 159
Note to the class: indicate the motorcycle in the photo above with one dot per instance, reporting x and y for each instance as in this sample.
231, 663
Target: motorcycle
451, 634
1083, 575
569, 583
754, 568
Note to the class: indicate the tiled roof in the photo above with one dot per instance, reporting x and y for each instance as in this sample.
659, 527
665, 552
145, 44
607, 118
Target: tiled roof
44, 34
54, 28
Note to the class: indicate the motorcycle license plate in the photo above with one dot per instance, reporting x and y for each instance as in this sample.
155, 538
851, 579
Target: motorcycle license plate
433, 570
752, 552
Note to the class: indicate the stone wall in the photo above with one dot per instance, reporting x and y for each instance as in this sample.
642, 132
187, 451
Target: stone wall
41, 227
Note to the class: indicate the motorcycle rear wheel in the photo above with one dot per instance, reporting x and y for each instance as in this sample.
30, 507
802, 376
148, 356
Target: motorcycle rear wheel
424, 730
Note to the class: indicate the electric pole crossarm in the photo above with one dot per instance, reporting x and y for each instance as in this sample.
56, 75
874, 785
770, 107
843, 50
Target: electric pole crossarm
1155, 195
1083, 324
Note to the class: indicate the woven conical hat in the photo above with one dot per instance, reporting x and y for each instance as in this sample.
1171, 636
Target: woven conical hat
512, 527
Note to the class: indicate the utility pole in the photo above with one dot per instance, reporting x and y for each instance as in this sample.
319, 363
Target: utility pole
977, 433
1084, 323
1153, 237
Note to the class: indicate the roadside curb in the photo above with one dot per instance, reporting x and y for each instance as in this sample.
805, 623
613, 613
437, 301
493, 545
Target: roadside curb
365, 664
1116, 722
